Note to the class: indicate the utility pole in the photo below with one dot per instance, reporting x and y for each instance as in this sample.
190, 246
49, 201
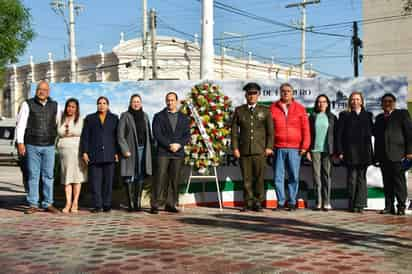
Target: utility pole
59, 7
207, 54
73, 72
302, 5
153, 40
144, 40
356, 44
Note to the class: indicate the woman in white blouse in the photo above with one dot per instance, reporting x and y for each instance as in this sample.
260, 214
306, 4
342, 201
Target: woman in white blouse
73, 171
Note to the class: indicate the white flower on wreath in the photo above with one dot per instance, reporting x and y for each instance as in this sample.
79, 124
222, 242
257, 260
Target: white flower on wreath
220, 124
211, 126
202, 109
218, 111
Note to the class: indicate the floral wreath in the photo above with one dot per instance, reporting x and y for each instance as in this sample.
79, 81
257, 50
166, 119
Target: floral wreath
206, 104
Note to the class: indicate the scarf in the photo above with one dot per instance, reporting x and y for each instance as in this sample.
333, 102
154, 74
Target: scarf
140, 124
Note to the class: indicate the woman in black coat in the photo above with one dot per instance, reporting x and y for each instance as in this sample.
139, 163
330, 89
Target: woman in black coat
98, 146
354, 145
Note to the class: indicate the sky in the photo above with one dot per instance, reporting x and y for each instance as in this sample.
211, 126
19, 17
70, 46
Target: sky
101, 22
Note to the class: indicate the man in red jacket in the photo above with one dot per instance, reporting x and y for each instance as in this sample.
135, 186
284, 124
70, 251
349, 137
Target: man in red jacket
292, 140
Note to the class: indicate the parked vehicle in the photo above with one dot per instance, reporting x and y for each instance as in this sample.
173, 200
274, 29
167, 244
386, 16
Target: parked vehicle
8, 151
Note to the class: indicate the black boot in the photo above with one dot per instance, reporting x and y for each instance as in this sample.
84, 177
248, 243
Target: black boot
129, 192
138, 195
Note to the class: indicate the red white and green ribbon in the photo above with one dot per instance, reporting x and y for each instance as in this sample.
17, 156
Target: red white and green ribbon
202, 130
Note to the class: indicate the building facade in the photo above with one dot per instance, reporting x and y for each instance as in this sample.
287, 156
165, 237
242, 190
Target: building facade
175, 58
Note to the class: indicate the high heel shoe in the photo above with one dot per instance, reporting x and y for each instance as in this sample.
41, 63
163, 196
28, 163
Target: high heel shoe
66, 209
74, 209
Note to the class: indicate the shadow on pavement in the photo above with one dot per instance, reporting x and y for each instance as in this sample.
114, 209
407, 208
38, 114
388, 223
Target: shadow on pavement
301, 229
14, 202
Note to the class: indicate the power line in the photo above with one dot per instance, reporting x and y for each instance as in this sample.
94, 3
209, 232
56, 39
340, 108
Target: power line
250, 15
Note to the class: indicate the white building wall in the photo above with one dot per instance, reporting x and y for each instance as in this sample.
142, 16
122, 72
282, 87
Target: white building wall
177, 59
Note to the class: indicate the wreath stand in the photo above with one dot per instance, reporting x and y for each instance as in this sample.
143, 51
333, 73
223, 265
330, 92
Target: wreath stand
191, 177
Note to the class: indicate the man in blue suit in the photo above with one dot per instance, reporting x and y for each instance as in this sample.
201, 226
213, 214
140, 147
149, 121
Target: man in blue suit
171, 131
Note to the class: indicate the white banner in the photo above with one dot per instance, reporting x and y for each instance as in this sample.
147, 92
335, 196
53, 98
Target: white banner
305, 91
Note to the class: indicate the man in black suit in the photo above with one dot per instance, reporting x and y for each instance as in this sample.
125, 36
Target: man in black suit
171, 131
393, 143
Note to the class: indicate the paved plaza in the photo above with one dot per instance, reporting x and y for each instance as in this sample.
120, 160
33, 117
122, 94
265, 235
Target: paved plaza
198, 240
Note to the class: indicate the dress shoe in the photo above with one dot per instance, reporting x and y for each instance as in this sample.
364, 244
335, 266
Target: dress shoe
31, 210
107, 209
154, 210
258, 208
357, 210
387, 211
401, 211
291, 207
318, 207
171, 209
327, 207
53, 210
96, 210
279, 207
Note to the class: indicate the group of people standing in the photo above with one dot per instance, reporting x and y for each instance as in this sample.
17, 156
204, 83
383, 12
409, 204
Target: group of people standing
89, 149
286, 134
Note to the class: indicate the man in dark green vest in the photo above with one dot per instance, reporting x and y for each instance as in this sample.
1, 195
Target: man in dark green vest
252, 142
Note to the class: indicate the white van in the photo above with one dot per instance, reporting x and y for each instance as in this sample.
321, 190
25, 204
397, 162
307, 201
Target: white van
8, 151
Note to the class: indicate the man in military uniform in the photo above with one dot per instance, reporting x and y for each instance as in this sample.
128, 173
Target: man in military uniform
252, 142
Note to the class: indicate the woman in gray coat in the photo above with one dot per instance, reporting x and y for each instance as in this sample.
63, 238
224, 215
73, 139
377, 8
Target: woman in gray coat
135, 143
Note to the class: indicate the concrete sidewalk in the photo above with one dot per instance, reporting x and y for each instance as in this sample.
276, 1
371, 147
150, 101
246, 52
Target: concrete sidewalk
199, 240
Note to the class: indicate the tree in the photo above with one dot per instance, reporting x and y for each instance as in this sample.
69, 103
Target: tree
407, 6
15, 31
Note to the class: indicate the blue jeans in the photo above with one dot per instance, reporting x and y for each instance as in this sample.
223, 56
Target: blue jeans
291, 157
40, 161
140, 168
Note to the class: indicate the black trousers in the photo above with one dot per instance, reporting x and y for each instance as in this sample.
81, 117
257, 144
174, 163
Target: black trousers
101, 179
253, 170
357, 188
166, 181
394, 184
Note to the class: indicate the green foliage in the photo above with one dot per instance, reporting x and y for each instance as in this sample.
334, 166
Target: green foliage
407, 6
15, 30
